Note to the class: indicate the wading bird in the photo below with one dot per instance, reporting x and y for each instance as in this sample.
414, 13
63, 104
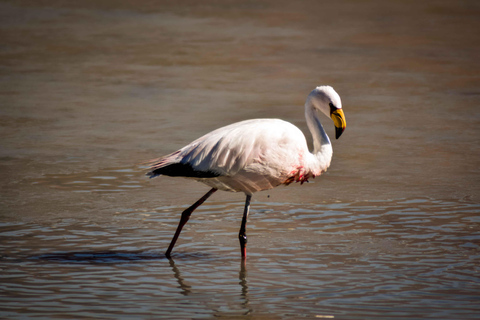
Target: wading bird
254, 155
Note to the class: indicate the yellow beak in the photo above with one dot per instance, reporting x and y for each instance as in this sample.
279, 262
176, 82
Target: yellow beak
339, 121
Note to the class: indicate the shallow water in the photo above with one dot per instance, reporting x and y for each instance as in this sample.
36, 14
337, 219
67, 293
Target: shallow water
344, 260
91, 90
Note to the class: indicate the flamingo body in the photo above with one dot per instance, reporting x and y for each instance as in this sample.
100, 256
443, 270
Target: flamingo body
273, 152
255, 155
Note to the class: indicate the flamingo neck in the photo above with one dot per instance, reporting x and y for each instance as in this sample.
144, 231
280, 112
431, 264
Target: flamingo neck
322, 148
320, 137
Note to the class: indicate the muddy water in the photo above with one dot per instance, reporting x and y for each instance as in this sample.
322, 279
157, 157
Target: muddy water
90, 90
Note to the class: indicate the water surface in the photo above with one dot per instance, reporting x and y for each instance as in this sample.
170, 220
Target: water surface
90, 90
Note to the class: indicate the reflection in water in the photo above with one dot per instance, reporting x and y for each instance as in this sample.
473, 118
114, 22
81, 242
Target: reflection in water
119, 257
185, 288
242, 276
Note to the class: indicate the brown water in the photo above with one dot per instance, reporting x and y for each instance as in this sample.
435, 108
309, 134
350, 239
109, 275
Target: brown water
90, 90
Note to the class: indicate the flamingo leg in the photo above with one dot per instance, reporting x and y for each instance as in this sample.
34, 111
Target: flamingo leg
183, 220
242, 236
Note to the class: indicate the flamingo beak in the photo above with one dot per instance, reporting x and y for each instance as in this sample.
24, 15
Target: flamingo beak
339, 121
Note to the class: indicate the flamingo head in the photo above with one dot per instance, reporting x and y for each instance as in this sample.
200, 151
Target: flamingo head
327, 100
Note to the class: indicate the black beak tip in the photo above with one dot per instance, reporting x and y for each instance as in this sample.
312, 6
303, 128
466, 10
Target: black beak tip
338, 132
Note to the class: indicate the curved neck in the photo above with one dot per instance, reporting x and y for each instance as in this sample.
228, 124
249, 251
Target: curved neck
319, 135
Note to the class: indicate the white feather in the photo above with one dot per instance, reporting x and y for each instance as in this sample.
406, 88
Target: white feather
260, 154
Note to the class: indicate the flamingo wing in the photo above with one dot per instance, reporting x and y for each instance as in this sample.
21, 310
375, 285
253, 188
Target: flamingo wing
263, 146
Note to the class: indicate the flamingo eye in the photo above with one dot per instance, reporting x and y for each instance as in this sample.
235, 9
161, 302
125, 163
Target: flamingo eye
332, 108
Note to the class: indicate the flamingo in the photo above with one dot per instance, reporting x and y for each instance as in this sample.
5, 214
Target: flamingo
255, 155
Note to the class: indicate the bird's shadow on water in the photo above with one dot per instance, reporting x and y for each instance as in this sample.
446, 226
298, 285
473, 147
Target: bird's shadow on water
109, 256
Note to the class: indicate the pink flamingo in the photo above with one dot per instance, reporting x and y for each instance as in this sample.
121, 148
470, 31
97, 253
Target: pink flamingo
254, 155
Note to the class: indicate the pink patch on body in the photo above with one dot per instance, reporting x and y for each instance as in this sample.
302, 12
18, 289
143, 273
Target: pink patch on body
298, 174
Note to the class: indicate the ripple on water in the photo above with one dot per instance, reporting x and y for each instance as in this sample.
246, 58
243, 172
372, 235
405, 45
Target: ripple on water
104, 180
356, 260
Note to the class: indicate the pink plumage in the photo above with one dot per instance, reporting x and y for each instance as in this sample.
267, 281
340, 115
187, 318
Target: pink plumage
255, 155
